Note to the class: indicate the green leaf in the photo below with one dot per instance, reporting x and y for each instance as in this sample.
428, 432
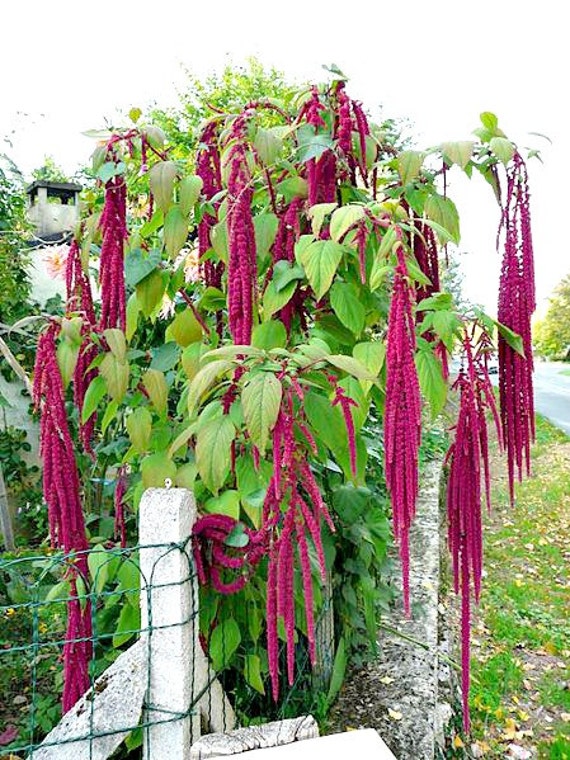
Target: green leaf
188, 193
204, 379
409, 165
128, 625
98, 563
109, 416
58, 592
338, 671
293, 187
186, 476
116, 374
184, 328
117, 343
350, 502
320, 261
93, 397
351, 365
459, 153
223, 643
502, 148
445, 323
156, 469
343, 219
252, 672
175, 231
139, 265
212, 299
489, 121
166, 356
150, 291
269, 335
274, 300
191, 358
437, 302
139, 428
226, 503
161, 178
152, 225
155, 137
219, 239
155, 384
67, 355
317, 215
261, 399
348, 307
443, 211
182, 439
371, 355
213, 446
512, 338
284, 272
430, 376
132, 316
311, 145
268, 145
265, 226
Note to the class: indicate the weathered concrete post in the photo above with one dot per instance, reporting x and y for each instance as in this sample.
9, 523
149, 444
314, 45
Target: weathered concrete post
169, 621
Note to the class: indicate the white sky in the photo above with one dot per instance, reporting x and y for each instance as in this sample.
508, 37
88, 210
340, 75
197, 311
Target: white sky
66, 64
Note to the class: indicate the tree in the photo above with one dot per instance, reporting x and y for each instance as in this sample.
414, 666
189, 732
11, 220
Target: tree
50, 172
552, 334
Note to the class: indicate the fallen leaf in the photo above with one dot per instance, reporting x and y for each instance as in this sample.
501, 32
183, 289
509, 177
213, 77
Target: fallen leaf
395, 714
458, 742
520, 753
386, 680
8, 736
565, 717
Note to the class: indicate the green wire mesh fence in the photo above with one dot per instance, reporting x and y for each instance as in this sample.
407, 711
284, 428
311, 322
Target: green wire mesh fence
162, 671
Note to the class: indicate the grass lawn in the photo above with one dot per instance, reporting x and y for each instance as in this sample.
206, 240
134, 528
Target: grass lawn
521, 636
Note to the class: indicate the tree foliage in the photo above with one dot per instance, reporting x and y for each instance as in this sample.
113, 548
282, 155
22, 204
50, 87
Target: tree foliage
552, 333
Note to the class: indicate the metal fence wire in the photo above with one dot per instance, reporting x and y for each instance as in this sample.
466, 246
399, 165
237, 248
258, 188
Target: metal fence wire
147, 640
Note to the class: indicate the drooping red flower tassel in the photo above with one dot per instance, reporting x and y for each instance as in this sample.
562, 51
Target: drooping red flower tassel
65, 514
208, 167
516, 306
111, 265
402, 417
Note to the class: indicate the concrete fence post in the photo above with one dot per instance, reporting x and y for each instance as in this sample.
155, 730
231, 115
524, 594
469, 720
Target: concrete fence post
169, 620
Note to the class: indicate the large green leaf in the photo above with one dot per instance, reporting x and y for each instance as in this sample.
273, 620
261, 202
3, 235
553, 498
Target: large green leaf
184, 328
175, 231
351, 365
409, 165
268, 144
116, 374
204, 379
265, 226
128, 625
371, 355
139, 428
155, 384
252, 672
223, 643
213, 446
502, 148
317, 215
188, 193
343, 219
93, 397
150, 291
273, 300
161, 178
226, 503
156, 469
261, 399
116, 341
459, 153
443, 211
320, 261
348, 307
432, 383
139, 265
269, 335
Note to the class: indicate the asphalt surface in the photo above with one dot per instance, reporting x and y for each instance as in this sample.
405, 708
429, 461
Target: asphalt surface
552, 392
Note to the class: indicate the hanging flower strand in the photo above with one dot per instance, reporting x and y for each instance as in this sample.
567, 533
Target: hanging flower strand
402, 416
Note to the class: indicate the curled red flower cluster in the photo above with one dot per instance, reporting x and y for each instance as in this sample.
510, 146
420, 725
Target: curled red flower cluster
516, 306
288, 232
208, 168
402, 416
466, 454
111, 267
242, 263
321, 172
345, 402
65, 515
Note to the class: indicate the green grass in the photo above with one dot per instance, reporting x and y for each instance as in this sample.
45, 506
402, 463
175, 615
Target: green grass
521, 644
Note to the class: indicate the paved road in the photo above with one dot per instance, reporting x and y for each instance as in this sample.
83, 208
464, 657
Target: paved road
552, 393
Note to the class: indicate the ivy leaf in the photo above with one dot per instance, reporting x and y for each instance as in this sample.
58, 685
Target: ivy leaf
261, 399
459, 153
409, 165
430, 376
204, 379
320, 261
343, 219
347, 307
161, 179
213, 445
139, 428
175, 231
223, 643
188, 193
